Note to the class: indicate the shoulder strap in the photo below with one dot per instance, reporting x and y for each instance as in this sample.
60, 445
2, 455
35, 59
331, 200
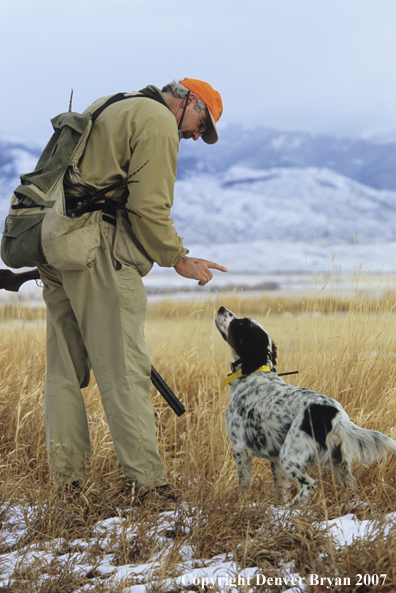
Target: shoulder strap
110, 101
121, 97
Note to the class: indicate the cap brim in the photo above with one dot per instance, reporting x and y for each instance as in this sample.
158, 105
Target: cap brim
210, 136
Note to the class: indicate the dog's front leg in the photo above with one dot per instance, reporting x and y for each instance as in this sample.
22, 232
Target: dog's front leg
244, 467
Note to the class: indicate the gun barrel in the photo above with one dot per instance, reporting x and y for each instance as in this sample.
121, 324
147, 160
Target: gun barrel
166, 392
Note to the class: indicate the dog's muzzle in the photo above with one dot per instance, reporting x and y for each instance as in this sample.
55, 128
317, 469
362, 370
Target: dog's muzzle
223, 320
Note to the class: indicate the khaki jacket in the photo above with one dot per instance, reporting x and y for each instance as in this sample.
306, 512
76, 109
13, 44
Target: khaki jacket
137, 138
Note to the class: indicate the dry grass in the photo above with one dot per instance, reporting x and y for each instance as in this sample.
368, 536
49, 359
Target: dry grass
342, 347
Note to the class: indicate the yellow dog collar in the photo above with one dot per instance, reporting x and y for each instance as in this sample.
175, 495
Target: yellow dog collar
238, 374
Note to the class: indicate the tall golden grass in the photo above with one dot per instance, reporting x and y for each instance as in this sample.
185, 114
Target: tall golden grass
344, 347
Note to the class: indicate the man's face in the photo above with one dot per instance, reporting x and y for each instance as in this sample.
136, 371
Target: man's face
194, 122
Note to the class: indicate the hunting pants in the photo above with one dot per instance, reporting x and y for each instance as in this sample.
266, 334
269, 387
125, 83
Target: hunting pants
95, 319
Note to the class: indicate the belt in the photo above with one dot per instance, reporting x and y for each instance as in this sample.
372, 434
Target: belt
108, 218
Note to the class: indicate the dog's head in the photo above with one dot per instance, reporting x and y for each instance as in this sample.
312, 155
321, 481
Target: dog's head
247, 340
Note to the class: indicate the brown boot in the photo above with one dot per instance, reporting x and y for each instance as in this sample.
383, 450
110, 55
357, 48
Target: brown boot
158, 495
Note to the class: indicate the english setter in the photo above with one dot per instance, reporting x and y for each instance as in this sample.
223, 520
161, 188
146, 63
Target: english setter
291, 426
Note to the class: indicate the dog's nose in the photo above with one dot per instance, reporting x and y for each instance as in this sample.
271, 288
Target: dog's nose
221, 310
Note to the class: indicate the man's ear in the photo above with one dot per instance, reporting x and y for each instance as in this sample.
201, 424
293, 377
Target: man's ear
183, 103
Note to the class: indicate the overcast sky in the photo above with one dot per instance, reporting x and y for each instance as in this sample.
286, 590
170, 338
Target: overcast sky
317, 65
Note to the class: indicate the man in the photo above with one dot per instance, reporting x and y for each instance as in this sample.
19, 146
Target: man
96, 316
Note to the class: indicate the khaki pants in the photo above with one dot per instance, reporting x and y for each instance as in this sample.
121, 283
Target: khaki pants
95, 319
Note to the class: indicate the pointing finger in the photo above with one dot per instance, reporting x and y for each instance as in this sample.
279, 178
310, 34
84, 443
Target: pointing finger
215, 266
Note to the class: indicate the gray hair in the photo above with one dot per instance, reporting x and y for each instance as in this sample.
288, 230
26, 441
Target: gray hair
179, 91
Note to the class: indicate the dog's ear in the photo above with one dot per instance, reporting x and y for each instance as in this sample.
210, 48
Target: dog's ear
252, 345
274, 354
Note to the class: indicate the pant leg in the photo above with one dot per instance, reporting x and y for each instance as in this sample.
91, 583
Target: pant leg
68, 369
110, 305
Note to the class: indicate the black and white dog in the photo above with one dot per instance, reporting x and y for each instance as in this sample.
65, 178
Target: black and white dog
291, 426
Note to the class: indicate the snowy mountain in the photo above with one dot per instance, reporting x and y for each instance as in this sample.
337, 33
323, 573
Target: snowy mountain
289, 204
380, 135
367, 161
16, 157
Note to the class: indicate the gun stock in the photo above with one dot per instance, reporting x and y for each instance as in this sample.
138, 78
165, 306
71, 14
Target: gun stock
13, 282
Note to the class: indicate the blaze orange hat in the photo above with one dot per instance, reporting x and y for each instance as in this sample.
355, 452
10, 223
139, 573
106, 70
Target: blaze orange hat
213, 102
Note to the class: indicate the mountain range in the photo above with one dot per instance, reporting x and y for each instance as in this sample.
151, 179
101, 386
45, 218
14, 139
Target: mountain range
370, 162
294, 189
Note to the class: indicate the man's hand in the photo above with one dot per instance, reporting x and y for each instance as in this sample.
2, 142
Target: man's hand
197, 269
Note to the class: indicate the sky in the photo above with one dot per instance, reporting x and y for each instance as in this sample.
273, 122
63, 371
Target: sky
326, 66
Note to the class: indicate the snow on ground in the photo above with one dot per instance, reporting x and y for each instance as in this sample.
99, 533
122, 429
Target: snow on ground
218, 571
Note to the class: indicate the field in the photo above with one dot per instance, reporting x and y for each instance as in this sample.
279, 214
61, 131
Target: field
344, 347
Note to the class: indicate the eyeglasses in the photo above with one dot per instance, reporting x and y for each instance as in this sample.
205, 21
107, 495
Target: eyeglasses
204, 123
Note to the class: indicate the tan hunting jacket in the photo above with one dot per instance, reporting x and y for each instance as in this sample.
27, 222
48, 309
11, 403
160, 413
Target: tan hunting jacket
137, 137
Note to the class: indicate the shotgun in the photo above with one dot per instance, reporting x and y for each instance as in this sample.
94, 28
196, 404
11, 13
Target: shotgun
12, 282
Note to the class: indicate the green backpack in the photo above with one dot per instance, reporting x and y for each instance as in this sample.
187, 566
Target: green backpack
37, 230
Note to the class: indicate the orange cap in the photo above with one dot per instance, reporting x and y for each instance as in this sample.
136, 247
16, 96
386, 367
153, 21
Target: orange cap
213, 102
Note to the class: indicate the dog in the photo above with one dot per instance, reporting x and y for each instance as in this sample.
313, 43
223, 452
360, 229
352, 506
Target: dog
291, 426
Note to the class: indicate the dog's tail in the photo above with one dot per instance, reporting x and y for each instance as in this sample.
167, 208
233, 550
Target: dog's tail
367, 446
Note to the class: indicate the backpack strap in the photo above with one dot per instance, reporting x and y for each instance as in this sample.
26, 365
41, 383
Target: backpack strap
110, 101
121, 96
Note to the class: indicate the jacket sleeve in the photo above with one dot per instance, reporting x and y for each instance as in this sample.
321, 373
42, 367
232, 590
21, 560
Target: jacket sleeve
152, 171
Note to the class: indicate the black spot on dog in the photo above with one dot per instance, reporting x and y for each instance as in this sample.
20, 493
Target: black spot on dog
336, 454
241, 410
254, 416
263, 441
317, 422
302, 481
